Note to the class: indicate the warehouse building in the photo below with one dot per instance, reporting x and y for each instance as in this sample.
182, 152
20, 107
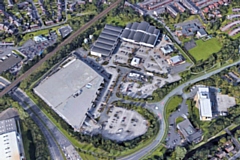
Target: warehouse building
71, 91
11, 146
107, 41
141, 33
204, 104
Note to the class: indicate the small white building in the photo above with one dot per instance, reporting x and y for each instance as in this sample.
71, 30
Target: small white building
135, 62
166, 49
201, 33
39, 38
204, 104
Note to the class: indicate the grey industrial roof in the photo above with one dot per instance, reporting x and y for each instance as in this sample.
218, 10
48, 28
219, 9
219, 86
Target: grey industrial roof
152, 39
129, 25
126, 33
140, 32
131, 35
65, 30
103, 51
138, 36
143, 26
59, 89
107, 40
8, 113
113, 28
151, 29
8, 63
111, 32
7, 125
188, 131
134, 26
156, 32
108, 36
145, 38
104, 40
103, 45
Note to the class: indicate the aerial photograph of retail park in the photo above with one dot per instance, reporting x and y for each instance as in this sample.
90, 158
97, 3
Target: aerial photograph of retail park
119, 80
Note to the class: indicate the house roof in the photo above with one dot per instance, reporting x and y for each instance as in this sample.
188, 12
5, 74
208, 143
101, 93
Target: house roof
176, 59
188, 131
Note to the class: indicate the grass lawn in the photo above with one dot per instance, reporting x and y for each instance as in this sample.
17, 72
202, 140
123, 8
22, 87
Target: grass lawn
158, 152
30, 35
172, 105
204, 49
179, 119
121, 20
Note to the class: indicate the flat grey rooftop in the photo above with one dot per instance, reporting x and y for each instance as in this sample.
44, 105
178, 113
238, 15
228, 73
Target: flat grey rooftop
9, 63
59, 89
7, 125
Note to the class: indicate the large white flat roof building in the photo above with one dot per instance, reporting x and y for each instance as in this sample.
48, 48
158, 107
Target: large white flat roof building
204, 103
71, 91
9, 147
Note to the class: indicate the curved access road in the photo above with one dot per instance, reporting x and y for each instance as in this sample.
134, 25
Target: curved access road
160, 112
62, 44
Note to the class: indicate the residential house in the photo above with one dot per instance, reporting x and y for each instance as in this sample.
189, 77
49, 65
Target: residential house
172, 10
228, 148
179, 7
221, 154
189, 5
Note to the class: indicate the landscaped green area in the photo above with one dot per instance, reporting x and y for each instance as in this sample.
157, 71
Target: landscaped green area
28, 36
205, 48
172, 105
158, 153
179, 119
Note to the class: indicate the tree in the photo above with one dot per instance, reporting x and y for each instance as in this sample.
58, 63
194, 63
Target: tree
180, 153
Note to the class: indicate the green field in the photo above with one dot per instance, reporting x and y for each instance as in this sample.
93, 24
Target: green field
204, 49
172, 105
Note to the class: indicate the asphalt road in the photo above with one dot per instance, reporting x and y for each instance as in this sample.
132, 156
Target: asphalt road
54, 150
53, 136
62, 44
160, 111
